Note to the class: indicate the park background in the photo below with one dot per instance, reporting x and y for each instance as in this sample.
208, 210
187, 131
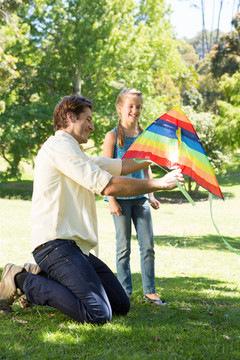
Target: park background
52, 48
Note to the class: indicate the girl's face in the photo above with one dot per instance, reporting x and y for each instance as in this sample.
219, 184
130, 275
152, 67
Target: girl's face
131, 108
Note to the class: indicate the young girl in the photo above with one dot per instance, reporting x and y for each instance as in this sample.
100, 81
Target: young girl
125, 210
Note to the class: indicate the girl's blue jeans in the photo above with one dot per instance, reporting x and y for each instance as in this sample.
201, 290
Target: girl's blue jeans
138, 212
80, 286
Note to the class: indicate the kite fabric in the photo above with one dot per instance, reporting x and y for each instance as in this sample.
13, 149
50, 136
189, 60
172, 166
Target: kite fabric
171, 141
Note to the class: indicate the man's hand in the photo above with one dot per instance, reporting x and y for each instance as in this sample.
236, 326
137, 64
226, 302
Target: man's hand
168, 181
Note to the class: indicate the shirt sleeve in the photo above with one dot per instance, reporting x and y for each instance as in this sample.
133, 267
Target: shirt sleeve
93, 174
113, 166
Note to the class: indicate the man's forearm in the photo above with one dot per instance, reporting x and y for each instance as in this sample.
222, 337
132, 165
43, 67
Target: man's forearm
123, 186
129, 166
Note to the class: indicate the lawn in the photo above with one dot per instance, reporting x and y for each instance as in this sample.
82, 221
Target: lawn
195, 273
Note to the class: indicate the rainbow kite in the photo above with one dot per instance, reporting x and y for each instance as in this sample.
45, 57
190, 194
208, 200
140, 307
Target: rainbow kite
172, 141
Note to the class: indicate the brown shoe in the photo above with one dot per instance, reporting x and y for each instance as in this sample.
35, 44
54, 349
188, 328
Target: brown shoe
33, 269
8, 290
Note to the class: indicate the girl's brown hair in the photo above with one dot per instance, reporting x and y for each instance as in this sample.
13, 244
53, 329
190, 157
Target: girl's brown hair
121, 137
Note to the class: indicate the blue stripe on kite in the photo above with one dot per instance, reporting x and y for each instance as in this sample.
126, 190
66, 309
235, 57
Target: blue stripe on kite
166, 125
189, 134
164, 129
195, 145
163, 123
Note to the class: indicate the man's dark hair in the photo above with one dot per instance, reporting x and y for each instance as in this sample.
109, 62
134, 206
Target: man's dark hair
69, 104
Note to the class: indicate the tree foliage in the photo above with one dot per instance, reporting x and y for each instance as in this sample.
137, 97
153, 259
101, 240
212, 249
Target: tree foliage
208, 87
229, 110
53, 48
8, 68
92, 48
18, 132
225, 56
203, 48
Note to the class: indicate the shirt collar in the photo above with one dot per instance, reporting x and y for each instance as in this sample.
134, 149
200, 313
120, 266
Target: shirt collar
70, 137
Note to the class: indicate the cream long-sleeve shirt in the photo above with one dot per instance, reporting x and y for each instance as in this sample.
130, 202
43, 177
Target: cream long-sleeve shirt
65, 180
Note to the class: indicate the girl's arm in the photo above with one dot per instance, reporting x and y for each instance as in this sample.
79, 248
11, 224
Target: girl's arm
152, 200
108, 151
109, 143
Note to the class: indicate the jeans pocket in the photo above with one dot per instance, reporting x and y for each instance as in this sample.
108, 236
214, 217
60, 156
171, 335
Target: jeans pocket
40, 262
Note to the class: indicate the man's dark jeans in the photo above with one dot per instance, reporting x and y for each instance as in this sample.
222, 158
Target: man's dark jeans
80, 286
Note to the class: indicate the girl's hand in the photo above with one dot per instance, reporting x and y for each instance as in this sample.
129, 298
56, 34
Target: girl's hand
114, 207
155, 204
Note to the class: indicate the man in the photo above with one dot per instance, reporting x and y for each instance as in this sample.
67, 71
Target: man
64, 222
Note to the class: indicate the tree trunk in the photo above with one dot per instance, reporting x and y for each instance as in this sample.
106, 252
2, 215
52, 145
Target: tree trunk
203, 29
211, 34
189, 185
219, 18
78, 82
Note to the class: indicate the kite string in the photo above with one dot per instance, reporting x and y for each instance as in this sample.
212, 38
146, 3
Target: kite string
216, 228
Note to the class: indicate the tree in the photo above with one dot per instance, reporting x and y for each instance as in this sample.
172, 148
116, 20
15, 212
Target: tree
189, 80
203, 42
229, 111
208, 87
8, 69
202, 49
92, 48
225, 56
188, 54
7, 7
19, 134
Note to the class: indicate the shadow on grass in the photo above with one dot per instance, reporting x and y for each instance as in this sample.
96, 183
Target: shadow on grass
16, 190
206, 242
21, 190
229, 179
200, 312
190, 290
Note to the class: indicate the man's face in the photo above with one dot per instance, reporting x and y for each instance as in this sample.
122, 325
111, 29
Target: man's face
81, 125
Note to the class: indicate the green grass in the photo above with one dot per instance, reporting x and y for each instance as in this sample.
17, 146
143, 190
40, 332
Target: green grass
195, 273
17, 189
